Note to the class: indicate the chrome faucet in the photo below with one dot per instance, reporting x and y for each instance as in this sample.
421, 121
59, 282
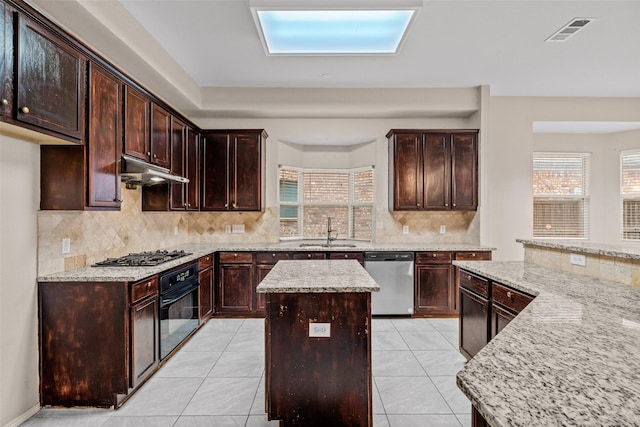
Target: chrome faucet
330, 238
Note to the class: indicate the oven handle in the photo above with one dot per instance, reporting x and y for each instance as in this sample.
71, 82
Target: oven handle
171, 298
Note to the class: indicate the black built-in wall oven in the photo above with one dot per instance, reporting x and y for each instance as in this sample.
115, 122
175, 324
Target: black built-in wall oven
178, 307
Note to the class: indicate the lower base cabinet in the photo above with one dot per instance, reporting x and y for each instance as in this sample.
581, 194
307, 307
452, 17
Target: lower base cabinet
98, 341
486, 307
205, 288
144, 331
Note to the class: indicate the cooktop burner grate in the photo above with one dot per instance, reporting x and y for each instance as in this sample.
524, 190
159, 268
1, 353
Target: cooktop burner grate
142, 259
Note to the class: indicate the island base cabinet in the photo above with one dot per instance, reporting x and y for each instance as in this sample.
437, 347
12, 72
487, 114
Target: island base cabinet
318, 380
474, 321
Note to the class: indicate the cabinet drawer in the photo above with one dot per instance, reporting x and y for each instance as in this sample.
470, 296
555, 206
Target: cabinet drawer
144, 288
308, 255
433, 257
347, 255
474, 256
236, 257
270, 257
474, 283
205, 262
509, 298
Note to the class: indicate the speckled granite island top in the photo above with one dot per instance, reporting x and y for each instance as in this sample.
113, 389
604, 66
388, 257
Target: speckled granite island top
570, 358
582, 247
317, 276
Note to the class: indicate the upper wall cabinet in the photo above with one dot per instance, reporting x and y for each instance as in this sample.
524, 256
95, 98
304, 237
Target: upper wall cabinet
233, 170
6, 61
433, 170
50, 81
160, 136
87, 176
136, 124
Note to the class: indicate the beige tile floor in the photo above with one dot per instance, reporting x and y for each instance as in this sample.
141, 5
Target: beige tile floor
217, 379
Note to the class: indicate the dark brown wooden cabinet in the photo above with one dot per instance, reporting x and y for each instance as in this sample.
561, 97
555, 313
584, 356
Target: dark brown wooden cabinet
137, 137
235, 284
232, 176
53, 104
433, 170
506, 303
104, 140
87, 176
358, 256
6, 60
160, 144
474, 313
486, 307
205, 290
264, 263
145, 332
185, 161
434, 285
98, 340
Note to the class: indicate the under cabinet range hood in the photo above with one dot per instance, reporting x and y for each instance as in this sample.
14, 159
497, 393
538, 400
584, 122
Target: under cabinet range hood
134, 171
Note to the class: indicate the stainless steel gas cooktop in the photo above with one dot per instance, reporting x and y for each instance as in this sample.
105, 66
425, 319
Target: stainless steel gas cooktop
142, 259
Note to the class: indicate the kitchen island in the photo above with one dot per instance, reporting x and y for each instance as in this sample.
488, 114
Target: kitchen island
318, 343
569, 358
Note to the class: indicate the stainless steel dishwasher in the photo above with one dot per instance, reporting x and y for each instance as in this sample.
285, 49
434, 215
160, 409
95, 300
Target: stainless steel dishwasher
393, 271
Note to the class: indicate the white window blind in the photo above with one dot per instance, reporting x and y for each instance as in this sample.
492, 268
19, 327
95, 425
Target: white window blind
308, 197
630, 194
560, 195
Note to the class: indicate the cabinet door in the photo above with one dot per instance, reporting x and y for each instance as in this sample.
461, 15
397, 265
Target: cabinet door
104, 139
434, 290
192, 170
160, 136
144, 339
205, 292
407, 171
464, 171
437, 171
136, 124
474, 323
178, 151
235, 289
50, 80
499, 319
6, 60
215, 171
246, 177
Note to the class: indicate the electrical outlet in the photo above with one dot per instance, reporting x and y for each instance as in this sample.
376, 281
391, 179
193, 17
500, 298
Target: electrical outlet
66, 245
320, 330
175, 230
405, 229
227, 229
237, 228
443, 229
577, 259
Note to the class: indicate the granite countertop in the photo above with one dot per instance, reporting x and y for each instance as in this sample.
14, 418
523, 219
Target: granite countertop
130, 274
570, 358
317, 276
582, 247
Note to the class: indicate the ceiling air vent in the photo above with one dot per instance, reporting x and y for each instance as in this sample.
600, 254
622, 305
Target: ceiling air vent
570, 29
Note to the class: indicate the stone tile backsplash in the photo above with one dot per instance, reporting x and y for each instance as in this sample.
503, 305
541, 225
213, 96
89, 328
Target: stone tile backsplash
96, 235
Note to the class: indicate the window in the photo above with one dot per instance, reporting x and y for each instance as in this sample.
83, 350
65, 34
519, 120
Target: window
560, 195
630, 194
309, 197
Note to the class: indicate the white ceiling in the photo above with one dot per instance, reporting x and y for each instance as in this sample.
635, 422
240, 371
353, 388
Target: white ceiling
197, 46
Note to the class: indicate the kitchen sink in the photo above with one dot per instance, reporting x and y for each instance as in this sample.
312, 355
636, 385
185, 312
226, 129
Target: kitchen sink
324, 245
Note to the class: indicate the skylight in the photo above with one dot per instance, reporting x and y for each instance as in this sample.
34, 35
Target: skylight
333, 32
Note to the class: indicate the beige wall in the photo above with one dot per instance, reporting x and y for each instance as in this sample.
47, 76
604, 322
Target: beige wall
506, 162
19, 199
